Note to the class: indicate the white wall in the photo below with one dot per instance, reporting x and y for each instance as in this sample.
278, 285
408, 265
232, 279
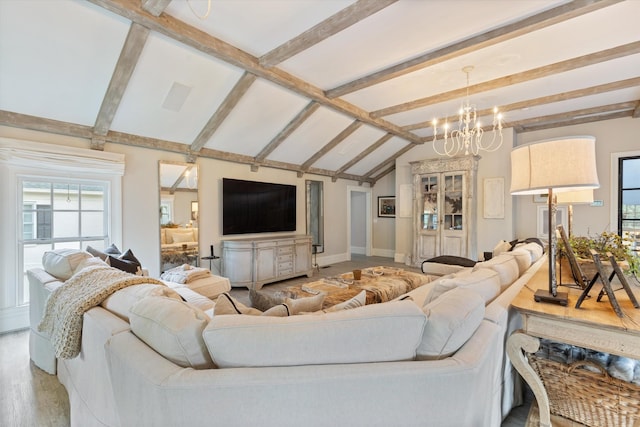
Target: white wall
384, 229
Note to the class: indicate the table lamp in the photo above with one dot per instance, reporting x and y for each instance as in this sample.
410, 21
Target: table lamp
554, 166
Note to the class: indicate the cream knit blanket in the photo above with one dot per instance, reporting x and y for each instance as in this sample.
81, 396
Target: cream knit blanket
62, 319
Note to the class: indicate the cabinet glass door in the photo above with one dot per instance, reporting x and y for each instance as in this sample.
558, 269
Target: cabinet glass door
453, 202
430, 202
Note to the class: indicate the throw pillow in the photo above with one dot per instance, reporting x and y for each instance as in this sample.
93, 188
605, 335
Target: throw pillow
126, 262
305, 305
111, 250
183, 237
61, 263
120, 302
226, 304
264, 301
173, 329
89, 262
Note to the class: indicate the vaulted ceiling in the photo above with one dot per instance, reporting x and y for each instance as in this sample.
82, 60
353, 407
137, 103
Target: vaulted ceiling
332, 87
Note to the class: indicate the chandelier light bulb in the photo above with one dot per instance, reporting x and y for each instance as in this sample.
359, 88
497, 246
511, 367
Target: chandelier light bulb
469, 134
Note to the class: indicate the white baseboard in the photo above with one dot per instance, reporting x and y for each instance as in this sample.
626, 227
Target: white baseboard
387, 253
14, 318
358, 250
333, 259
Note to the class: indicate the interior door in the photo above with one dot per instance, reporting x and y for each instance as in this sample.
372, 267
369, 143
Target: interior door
453, 218
429, 235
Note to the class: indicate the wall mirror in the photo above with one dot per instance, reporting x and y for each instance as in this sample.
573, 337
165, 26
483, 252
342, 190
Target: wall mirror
315, 214
179, 214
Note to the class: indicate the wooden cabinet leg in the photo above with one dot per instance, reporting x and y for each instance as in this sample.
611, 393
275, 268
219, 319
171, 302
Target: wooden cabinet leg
516, 343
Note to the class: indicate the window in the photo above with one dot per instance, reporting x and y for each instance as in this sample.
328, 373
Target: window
629, 199
60, 214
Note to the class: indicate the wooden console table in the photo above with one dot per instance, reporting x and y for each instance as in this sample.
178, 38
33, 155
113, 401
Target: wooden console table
594, 325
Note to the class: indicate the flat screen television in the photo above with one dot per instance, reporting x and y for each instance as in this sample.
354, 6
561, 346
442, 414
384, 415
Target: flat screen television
257, 207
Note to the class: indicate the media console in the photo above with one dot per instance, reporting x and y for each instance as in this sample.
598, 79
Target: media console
255, 262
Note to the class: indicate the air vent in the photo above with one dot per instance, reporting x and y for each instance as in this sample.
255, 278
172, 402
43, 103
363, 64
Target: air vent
176, 97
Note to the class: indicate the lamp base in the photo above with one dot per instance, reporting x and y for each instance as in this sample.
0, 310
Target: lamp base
561, 298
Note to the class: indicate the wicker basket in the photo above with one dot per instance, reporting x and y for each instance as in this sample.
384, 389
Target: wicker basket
590, 398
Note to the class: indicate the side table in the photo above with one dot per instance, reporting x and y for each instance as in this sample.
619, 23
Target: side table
595, 326
211, 258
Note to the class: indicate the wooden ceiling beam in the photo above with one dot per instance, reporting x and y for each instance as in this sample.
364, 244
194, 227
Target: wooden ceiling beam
636, 111
339, 21
133, 45
471, 44
564, 96
299, 119
533, 74
233, 97
199, 40
155, 7
23, 121
331, 145
373, 147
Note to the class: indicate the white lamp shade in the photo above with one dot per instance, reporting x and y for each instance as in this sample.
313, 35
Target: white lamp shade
563, 164
575, 197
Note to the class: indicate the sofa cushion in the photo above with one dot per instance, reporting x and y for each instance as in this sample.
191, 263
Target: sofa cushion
344, 336
485, 282
62, 263
451, 321
172, 328
445, 264
523, 259
534, 249
263, 301
120, 302
506, 267
89, 262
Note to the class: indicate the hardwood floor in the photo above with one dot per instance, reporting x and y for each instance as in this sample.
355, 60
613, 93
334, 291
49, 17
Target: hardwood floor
29, 397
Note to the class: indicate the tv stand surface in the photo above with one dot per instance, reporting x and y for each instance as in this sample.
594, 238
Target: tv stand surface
254, 262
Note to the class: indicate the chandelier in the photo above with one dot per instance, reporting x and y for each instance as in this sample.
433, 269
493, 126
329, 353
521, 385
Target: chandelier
469, 134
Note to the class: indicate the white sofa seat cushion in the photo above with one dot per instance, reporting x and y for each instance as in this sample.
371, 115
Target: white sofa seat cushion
451, 320
120, 302
485, 282
523, 259
506, 267
62, 263
173, 328
534, 249
373, 333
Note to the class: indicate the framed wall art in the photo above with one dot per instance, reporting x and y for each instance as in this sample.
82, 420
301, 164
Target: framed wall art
387, 207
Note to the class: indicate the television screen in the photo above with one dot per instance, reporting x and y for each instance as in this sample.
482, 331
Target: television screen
257, 207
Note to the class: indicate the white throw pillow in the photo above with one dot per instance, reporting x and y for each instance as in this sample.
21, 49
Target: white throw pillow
373, 333
172, 328
451, 320
62, 263
183, 237
91, 262
357, 301
502, 246
120, 302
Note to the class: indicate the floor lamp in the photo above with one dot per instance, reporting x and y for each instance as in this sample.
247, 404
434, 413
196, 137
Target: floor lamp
554, 166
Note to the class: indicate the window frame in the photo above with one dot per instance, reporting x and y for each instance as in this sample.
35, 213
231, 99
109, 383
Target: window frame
620, 191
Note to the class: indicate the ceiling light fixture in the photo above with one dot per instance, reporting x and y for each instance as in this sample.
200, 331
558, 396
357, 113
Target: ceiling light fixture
206, 15
468, 136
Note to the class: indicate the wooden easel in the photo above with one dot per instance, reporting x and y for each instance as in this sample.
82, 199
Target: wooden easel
606, 283
579, 277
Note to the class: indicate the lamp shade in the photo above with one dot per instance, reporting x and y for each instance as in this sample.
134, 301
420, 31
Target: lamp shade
575, 197
563, 164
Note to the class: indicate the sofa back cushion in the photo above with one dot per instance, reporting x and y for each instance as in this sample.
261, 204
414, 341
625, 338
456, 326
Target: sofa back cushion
373, 333
534, 249
523, 259
173, 328
506, 267
120, 302
180, 235
451, 320
62, 263
485, 282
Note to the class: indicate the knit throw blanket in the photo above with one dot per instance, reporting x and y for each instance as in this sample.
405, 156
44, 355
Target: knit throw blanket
62, 319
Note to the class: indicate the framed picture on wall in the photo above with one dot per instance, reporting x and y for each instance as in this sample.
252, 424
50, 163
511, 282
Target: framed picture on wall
387, 207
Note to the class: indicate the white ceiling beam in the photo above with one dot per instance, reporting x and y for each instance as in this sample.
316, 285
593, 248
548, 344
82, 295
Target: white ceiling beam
155, 7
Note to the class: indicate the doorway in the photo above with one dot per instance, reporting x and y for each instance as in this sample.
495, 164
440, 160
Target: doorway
359, 227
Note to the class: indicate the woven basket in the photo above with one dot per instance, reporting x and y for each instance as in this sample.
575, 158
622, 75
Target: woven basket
590, 398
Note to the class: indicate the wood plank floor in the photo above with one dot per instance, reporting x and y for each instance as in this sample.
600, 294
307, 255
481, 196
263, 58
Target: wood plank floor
29, 397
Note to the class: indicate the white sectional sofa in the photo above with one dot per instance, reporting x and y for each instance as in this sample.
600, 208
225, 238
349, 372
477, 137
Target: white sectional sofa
436, 358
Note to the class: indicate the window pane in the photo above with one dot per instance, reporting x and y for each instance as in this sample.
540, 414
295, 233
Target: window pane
66, 196
631, 173
92, 224
630, 204
66, 224
93, 197
95, 244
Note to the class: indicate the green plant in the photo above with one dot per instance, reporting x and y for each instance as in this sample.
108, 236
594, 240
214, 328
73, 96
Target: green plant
602, 243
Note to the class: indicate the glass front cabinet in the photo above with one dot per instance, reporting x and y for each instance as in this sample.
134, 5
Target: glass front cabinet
444, 212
